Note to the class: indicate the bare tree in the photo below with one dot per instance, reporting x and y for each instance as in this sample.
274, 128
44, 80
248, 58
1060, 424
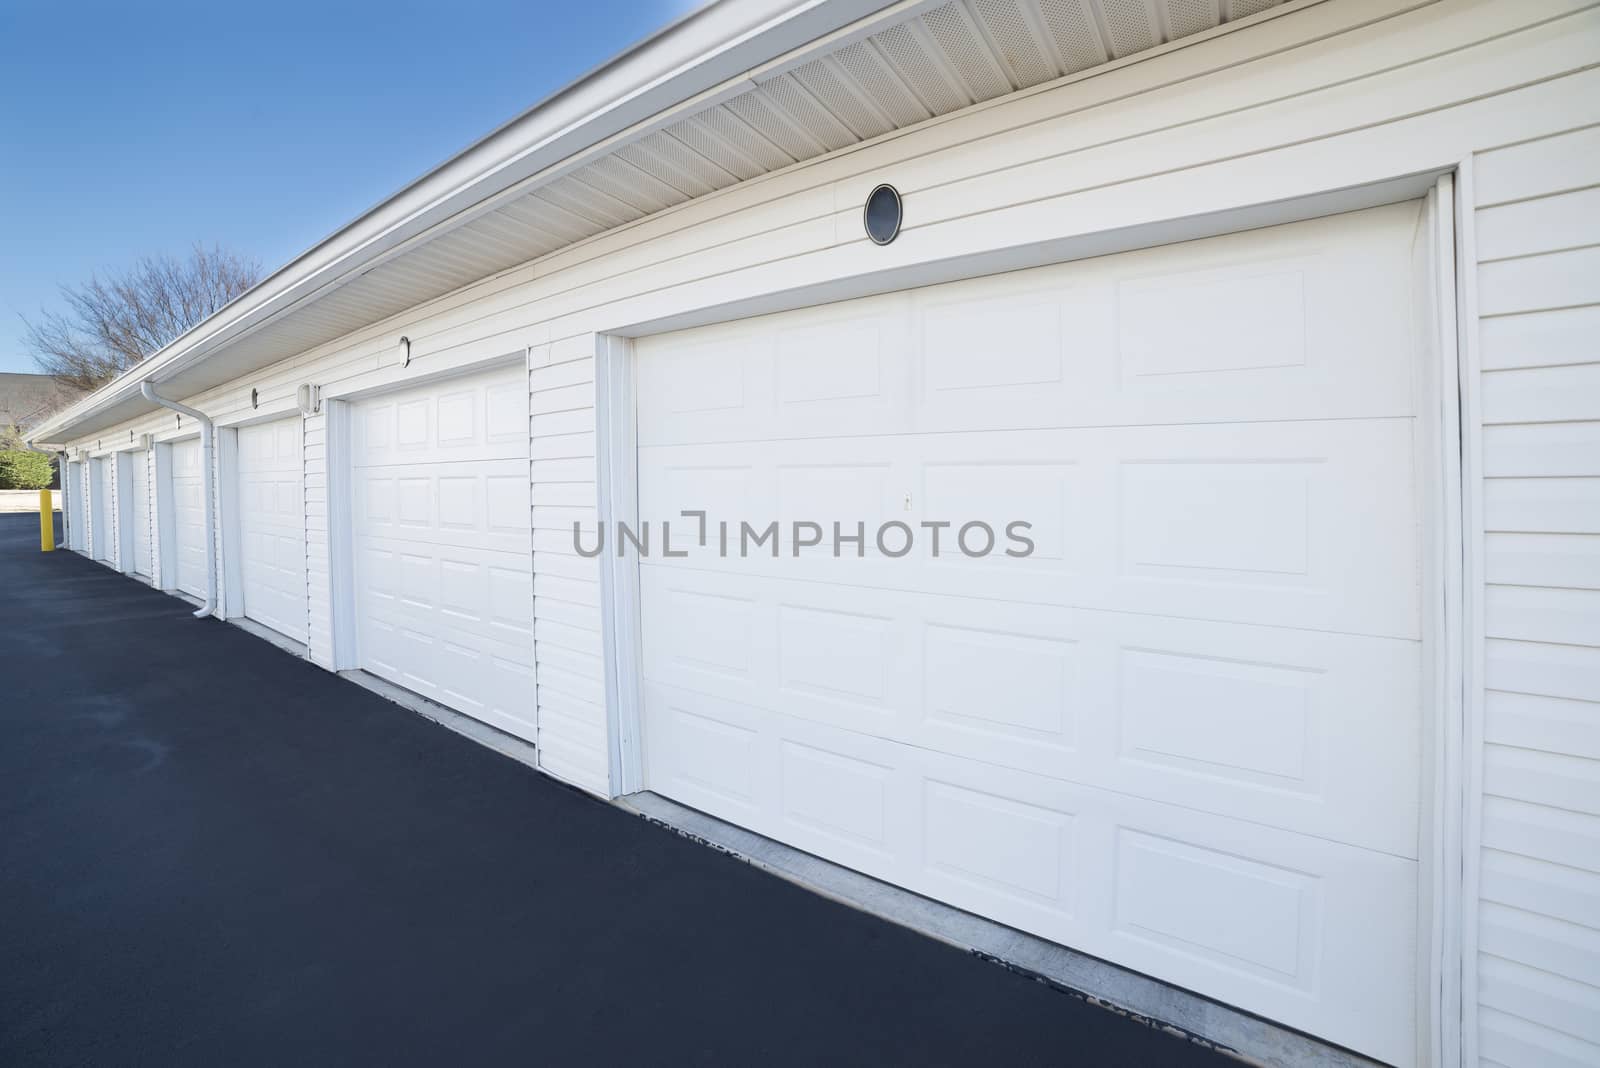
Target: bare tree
111, 324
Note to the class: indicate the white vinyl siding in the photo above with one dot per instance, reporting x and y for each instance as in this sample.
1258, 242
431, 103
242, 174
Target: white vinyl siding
1538, 278
319, 588
139, 509
567, 615
1330, 96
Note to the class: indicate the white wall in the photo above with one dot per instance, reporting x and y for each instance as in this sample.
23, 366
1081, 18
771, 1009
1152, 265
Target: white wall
1537, 231
1337, 94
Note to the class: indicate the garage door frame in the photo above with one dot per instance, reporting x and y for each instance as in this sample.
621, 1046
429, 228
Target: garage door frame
1444, 944
338, 405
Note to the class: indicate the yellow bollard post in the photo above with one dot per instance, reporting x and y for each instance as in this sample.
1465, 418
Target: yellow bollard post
47, 522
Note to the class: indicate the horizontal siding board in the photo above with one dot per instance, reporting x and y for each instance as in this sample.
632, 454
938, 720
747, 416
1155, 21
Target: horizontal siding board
572, 469
1542, 450
1558, 280
1513, 1042
1539, 832
587, 521
1569, 671
1565, 949
564, 446
573, 591
560, 375
1551, 724
548, 632
577, 421
1547, 224
1557, 560
1543, 394
568, 613
584, 686
573, 661
1566, 893
1542, 505
1544, 614
1553, 779
558, 543
565, 495
1541, 997
1541, 339
1537, 168
573, 716
563, 399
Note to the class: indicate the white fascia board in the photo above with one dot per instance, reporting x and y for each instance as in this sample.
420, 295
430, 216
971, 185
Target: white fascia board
706, 55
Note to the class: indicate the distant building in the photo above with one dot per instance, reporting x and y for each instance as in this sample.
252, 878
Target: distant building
27, 399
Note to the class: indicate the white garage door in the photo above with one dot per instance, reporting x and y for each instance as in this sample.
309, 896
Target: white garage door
100, 501
443, 550
1182, 734
272, 535
139, 487
188, 518
77, 513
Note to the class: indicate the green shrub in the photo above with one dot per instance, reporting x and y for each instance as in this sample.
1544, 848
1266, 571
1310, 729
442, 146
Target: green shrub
21, 469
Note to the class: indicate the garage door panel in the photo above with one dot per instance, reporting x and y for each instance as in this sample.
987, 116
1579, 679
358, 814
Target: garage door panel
467, 592
848, 371
479, 505
1260, 924
271, 505
1244, 327
1305, 525
482, 417
102, 525
188, 517
444, 582
486, 678
1253, 722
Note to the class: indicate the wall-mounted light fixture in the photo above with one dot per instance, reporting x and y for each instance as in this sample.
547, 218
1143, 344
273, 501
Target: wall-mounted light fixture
882, 213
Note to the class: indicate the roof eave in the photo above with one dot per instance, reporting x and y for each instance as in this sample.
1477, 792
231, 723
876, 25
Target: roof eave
699, 53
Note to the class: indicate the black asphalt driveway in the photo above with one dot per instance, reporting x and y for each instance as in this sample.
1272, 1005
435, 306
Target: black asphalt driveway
213, 853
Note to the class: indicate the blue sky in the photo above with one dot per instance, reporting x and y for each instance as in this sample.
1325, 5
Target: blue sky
137, 128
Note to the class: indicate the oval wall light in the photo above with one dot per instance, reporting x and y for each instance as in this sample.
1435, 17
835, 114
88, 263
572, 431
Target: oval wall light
882, 214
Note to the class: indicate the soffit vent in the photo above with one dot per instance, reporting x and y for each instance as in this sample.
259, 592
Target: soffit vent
1185, 17
1131, 25
1020, 44
964, 49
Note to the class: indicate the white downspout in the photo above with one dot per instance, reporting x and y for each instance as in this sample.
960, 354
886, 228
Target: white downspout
207, 494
